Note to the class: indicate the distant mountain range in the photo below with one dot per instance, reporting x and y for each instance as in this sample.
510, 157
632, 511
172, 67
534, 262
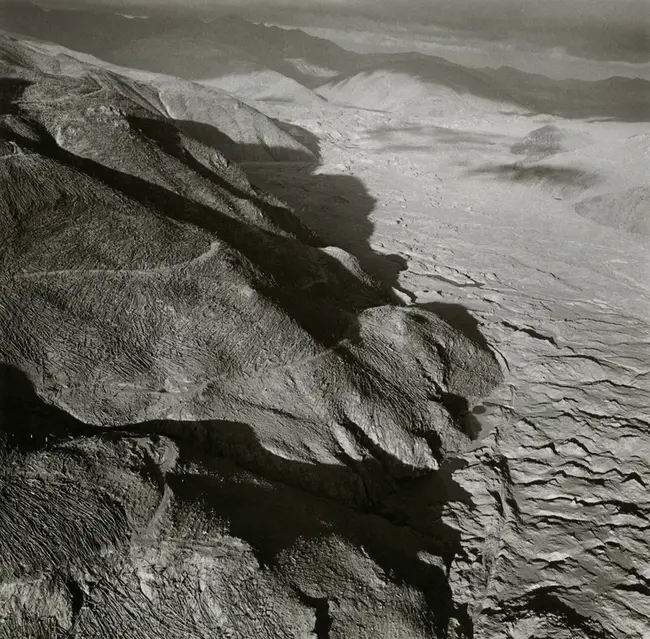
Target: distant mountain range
258, 62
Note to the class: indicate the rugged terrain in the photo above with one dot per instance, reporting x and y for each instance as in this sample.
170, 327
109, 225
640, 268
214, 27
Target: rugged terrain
392, 384
246, 400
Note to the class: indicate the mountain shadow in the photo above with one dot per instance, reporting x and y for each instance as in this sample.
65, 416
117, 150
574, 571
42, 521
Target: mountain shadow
225, 473
27, 423
556, 176
242, 152
337, 207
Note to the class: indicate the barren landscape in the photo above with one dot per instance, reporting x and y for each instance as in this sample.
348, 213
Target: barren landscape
302, 342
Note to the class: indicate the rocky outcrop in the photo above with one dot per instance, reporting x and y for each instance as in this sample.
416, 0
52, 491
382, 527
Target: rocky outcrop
207, 416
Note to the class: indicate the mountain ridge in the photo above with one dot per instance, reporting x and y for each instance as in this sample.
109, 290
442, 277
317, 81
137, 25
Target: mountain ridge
180, 359
210, 51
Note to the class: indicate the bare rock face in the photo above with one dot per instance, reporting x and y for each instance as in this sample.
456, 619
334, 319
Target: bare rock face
204, 411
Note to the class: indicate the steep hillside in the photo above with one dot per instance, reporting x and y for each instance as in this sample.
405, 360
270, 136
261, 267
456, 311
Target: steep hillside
210, 115
205, 411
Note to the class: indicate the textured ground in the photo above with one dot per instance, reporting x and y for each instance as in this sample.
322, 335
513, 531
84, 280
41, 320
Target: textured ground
208, 415
469, 221
215, 426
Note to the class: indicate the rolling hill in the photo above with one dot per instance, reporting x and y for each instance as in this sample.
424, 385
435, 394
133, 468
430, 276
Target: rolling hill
428, 85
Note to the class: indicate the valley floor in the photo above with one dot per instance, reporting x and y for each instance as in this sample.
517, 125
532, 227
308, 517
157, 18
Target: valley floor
559, 512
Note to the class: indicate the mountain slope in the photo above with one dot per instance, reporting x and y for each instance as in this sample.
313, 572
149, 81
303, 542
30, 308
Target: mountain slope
428, 85
208, 114
618, 98
418, 83
191, 48
181, 360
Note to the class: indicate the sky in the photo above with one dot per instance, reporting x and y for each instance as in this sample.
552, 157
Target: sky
614, 34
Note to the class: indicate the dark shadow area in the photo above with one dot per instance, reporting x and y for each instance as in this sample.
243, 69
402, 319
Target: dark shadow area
359, 485
166, 135
558, 176
241, 152
429, 148
548, 602
27, 423
303, 135
458, 407
273, 503
321, 606
11, 90
460, 318
431, 492
439, 135
336, 207
293, 520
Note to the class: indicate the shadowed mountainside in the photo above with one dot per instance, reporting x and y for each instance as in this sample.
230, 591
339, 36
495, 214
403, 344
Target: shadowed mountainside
219, 410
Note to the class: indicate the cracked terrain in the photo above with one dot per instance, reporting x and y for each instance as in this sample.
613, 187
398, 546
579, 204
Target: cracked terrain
277, 370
